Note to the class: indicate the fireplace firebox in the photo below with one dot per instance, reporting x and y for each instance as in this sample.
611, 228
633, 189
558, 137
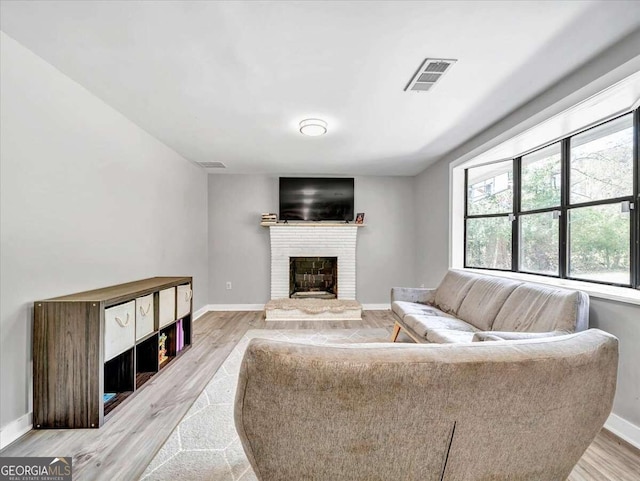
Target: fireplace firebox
313, 277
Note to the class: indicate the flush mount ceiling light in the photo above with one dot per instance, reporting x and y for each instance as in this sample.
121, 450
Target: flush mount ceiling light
313, 127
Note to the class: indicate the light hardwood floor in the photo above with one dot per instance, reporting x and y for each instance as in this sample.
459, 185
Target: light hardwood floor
125, 445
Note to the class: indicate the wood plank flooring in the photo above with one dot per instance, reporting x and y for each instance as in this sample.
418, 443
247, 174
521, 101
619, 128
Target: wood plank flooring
124, 446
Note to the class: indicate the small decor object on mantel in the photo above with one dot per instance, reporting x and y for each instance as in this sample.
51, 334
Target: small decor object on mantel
269, 218
360, 218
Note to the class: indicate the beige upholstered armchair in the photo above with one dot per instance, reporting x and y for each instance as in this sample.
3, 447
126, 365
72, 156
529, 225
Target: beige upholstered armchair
508, 410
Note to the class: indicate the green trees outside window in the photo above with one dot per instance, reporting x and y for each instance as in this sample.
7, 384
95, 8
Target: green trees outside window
565, 210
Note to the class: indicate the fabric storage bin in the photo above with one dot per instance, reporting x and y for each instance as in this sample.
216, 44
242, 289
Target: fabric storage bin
167, 312
119, 329
184, 300
144, 316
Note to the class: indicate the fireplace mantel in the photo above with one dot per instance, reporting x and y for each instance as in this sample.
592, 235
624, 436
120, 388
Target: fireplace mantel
313, 239
311, 224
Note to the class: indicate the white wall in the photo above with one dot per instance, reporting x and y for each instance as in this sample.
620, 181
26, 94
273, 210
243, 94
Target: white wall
239, 249
88, 199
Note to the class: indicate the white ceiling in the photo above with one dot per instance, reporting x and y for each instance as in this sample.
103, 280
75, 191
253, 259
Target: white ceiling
229, 81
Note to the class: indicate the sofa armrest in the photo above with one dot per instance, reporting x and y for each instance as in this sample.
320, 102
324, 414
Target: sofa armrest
413, 294
513, 335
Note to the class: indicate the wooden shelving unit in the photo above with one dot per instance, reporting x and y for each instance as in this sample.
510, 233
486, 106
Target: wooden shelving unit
104, 341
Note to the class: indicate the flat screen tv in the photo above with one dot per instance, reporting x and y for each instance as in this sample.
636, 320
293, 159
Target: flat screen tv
316, 199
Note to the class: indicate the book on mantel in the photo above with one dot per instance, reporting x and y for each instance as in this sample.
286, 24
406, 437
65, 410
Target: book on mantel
269, 218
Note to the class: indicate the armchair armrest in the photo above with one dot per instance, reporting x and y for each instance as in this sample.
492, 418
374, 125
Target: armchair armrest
413, 294
513, 335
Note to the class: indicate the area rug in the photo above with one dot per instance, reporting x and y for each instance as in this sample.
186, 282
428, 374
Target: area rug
205, 445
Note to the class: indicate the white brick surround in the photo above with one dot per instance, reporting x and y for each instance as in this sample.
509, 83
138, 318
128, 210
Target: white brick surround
291, 240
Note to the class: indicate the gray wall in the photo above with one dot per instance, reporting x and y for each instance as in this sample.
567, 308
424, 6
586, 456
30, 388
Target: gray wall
623, 321
88, 199
431, 201
239, 249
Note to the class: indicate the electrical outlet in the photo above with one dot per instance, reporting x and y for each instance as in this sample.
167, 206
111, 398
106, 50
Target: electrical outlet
228, 285
422, 285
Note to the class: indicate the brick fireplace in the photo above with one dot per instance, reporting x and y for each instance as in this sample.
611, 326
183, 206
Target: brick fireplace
337, 241
313, 277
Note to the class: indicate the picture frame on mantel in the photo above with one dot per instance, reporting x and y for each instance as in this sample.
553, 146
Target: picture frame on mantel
360, 218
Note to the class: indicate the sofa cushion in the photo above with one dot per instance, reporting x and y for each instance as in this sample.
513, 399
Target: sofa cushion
453, 289
449, 336
404, 308
423, 324
534, 308
514, 336
484, 300
482, 336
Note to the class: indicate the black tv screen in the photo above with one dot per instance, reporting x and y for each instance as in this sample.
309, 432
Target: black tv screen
316, 199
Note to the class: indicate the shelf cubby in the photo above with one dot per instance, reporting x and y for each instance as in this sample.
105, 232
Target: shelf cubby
146, 359
170, 344
119, 379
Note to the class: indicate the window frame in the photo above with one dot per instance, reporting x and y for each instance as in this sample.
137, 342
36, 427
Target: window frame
564, 208
468, 216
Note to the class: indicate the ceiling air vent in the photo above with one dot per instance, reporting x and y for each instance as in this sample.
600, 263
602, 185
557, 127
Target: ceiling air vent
431, 70
212, 165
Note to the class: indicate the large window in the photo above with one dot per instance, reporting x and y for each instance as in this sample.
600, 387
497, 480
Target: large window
567, 210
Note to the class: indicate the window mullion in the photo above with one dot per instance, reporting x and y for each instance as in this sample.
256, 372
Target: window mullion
635, 214
565, 152
466, 210
515, 225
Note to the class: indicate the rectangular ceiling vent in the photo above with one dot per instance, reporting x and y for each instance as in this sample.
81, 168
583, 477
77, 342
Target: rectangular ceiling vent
430, 72
212, 165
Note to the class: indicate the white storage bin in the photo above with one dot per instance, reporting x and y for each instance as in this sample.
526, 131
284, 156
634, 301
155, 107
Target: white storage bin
119, 329
167, 312
184, 300
144, 316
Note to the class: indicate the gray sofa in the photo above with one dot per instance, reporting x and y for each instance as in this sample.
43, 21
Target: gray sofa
503, 411
469, 306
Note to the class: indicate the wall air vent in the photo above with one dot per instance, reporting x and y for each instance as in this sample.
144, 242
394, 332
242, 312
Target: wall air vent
430, 71
212, 165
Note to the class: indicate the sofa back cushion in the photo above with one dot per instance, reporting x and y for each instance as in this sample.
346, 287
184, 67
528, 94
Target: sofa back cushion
484, 300
534, 308
453, 289
509, 410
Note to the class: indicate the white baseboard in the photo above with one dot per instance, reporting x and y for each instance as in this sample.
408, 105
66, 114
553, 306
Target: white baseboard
376, 307
235, 307
12, 431
624, 429
260, 307
200, 312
